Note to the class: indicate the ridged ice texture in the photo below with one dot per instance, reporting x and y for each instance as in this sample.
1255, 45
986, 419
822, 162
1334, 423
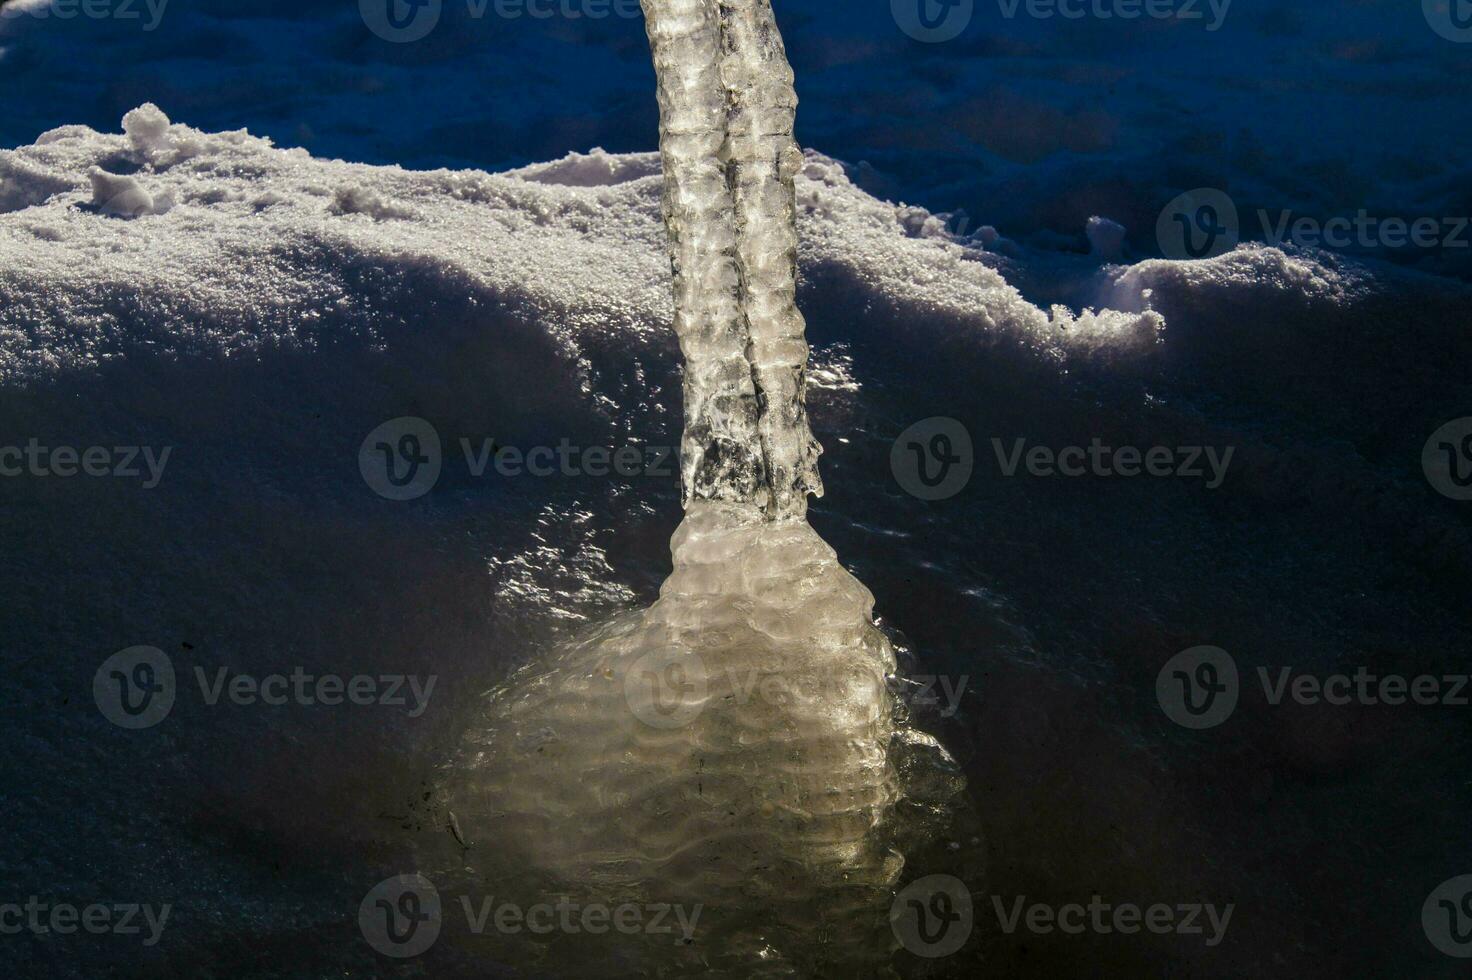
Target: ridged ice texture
727, 108
734, 747
729, 746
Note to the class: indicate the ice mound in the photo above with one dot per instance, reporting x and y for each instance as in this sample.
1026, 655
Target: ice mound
361, 200
731, 747
147, 128
1251, 272
125, 197
1106, 238
596, 168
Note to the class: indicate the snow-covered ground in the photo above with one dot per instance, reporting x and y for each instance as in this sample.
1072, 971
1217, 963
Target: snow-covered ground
1029, 123
257, 312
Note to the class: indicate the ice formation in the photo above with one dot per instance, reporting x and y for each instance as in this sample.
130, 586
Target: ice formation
733, 747
728, 748
727, 107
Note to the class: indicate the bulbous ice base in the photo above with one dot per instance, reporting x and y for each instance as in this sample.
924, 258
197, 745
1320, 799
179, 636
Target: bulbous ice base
732, 747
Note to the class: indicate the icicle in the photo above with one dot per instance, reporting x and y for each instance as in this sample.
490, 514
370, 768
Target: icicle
727, 107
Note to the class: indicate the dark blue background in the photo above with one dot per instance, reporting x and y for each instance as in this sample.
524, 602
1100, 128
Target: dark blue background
1028, 124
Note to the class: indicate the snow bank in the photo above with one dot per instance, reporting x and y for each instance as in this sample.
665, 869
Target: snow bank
239, 244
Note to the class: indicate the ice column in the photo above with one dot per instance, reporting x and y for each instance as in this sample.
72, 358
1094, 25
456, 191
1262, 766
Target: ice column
727, 107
